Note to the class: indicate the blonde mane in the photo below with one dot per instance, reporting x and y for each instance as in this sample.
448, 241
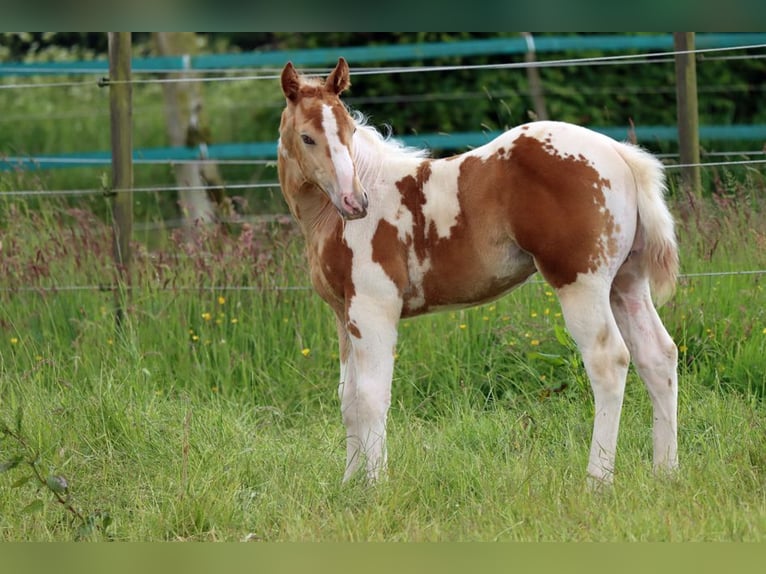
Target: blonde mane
370, 146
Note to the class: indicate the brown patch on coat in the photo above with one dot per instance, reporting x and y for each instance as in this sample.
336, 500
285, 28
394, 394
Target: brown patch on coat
555, 206
353, 329
463, 267
603, 336
331, 271
528, 201
623, 360
413, 198
390, 254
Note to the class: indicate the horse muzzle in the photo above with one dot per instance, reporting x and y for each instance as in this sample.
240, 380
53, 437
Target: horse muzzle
352, 207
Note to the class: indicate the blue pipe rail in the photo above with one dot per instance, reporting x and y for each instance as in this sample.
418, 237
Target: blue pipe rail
384, 53
434, 141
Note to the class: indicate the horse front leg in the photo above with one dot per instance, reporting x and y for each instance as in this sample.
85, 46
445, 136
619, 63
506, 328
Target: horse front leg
368, 341
347, 390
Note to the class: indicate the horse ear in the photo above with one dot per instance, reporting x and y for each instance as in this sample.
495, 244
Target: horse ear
338, 81
291, 83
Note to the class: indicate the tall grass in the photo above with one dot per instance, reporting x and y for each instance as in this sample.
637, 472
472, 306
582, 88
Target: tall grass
212, 413
182, 466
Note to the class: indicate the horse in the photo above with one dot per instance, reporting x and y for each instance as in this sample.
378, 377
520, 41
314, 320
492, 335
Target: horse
392, 233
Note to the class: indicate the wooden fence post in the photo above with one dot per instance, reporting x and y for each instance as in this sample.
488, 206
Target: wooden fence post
687, 112
121, 118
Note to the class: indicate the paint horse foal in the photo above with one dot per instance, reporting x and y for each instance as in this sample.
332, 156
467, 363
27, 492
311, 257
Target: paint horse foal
391, 233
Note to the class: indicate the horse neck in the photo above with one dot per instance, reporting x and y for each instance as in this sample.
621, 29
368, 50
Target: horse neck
315, 213
309, 205
375, 161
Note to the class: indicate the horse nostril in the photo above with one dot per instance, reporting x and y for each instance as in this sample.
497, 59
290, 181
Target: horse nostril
349, 204
353, 208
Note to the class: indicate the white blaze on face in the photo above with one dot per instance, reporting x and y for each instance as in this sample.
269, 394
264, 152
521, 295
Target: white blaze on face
339, 153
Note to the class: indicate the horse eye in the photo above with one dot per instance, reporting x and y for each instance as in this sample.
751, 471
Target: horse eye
308, 140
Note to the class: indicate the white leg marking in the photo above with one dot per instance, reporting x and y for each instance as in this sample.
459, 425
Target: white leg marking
346, 390
366, 394
656, 359
585, 305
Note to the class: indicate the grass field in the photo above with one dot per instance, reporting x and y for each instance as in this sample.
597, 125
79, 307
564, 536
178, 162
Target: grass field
212, 413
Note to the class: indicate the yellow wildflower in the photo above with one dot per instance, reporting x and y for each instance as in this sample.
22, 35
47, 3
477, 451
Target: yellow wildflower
14, 340
305, 352
221, 299
207, 316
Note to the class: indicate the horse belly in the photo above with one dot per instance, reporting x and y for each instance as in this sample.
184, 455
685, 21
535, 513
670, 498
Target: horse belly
468, 282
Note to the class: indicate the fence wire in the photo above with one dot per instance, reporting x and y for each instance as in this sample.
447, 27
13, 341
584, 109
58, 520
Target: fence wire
295, 288
246, 74
275, 184
273, 74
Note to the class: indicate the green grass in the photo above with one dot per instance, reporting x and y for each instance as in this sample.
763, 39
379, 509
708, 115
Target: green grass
171, 466
212, 414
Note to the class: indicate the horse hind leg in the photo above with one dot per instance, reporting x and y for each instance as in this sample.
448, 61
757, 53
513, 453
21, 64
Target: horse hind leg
654, 355
588, 315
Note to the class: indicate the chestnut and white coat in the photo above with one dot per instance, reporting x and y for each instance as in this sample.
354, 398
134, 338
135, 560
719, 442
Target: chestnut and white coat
392, 233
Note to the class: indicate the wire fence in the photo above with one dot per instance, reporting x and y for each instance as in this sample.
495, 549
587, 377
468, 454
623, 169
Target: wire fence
154, 189
274, 74
292, 288
275, 184
399, 98
199, 75
228, 75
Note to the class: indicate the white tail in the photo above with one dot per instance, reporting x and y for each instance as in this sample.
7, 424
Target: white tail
660, 254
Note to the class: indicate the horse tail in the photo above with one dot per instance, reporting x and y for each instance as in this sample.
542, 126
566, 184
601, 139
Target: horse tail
659, 256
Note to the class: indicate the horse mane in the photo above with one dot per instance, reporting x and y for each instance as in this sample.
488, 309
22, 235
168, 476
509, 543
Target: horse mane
370, 146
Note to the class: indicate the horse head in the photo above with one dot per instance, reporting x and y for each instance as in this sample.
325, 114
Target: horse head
317, 131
